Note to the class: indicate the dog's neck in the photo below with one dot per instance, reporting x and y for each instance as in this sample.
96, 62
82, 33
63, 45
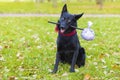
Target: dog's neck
66, 35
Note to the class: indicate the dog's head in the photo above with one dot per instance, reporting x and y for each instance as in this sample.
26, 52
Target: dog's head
67, 20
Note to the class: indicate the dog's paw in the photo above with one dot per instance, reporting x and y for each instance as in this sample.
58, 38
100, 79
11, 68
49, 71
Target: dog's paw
54, 71
72, 70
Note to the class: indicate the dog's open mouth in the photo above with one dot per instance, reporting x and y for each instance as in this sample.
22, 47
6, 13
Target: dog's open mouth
62, 30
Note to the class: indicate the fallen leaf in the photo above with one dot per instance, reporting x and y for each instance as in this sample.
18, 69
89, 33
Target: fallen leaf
95, 63
104, 67
37, 39
39, 47
111, 71
1, 76
108, 55
116, 53
105, 72
119, 46
95, 44
118, 63
11, 78
76, 70
22, 39
101, 56
35, 36
6, 46
20, 56
34, 76
6, 69
1, 58
48, 33
65, 74
1, 47
115, 66
21, 68
103, 61
87, 77
54, 47
50, 70
89, 56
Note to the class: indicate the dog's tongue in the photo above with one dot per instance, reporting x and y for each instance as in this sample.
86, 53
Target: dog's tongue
62, 30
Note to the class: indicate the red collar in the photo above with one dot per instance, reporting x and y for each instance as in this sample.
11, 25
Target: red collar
68, 34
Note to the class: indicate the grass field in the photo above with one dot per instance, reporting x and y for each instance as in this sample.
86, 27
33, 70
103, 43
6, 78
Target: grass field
74, 7
28, 46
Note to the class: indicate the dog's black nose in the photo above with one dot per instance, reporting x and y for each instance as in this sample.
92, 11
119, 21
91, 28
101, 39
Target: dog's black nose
62, 27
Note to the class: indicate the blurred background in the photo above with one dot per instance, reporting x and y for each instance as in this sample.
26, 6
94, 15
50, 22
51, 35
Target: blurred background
27, 44
54, 6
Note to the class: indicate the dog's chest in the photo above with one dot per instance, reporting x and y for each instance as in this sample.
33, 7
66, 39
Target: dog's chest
66, 48
66, 43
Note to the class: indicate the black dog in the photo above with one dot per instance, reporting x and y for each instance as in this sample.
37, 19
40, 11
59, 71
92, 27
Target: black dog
68, 45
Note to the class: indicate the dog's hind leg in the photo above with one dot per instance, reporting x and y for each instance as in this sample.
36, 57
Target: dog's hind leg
81, 57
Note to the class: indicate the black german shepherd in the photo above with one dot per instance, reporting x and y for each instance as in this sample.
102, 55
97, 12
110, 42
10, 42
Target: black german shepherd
68, 45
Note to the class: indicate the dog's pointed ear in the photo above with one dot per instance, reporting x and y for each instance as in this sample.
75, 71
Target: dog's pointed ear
78, 16
64, 9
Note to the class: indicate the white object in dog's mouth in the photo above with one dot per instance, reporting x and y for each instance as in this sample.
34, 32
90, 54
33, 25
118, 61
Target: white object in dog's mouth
62, 30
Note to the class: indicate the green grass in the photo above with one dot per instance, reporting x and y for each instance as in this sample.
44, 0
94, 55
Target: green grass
74, 7
28, 47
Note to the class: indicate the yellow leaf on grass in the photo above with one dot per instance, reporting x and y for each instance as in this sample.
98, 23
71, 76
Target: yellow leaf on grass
1, 47
1, 58
87, 77
20, 56
65, 74
11, 78
101, 56
116, 67
1, 76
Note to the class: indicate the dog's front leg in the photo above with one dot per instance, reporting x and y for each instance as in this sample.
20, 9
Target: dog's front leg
56, 62
74, 59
